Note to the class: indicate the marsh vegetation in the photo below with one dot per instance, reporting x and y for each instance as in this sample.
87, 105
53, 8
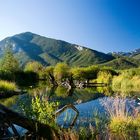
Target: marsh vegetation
107, 99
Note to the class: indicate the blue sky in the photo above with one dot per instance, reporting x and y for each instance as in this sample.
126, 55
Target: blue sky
103, 25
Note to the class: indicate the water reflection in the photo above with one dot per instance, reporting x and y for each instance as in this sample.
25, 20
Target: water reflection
60, 93
86, 100
107, 90
9, 101
101, 108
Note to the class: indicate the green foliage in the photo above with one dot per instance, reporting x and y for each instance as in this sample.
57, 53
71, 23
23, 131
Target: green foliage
91, 72
127, 82
121, 63
9, 63
8, 102
7, 86
131, 72
44, 110
49, 72
61, 91
49, 75
82, 133
35, 67
51, 51
77, 73
98, 130
123, 118
61, 72
41, 110
86, 73
6, 75
125, 127
104, 77
137, 56
106, 90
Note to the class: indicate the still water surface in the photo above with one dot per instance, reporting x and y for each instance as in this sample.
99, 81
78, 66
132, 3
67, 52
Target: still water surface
89, 102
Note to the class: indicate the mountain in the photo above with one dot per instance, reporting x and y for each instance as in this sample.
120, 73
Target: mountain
122, 63
124, 60
137, 56
29, 46
134, 54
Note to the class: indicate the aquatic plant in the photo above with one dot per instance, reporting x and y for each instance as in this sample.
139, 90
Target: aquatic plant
41, 110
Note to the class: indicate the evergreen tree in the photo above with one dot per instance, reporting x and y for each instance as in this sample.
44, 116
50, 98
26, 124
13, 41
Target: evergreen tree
9, 63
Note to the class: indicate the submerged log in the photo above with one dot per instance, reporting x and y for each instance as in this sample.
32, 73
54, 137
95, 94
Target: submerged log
57, 113
84, 84
35, 127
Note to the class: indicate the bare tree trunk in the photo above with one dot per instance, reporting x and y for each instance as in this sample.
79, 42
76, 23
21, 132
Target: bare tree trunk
52, 80
65, 108
33, 126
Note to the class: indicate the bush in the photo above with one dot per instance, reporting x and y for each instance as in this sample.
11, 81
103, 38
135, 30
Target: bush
40, 110
104, 77
125, 85
35, 67
85, 73
131, 72
61, 72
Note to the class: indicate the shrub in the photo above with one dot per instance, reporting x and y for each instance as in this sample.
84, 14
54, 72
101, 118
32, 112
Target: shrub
131, 72
61, 72
104, 77
85, 73
41, 110
126, 85
35, 67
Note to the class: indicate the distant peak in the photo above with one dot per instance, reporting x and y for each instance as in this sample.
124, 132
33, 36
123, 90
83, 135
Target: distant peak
27, 36
26, 33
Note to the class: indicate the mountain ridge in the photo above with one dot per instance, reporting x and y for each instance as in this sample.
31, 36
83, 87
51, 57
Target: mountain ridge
29, 46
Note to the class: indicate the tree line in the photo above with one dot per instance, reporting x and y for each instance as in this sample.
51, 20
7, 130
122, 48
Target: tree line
61, 73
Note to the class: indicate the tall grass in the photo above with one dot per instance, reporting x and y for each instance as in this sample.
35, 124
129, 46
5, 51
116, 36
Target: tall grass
125, 84
7, 86
124, 118
117, 106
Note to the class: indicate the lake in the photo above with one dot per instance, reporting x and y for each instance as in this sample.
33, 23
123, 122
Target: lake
90, 102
